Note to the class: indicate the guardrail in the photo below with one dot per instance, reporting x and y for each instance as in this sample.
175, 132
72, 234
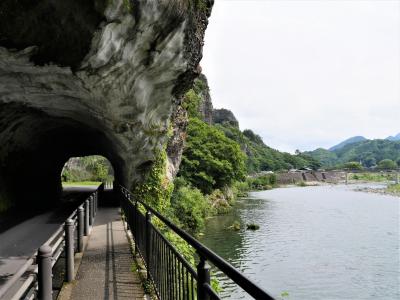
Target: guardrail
68, 238
172, 275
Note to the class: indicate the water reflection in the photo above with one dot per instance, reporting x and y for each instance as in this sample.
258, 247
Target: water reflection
314, 243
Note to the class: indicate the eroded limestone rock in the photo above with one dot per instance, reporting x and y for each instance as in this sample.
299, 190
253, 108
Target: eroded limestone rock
92, 77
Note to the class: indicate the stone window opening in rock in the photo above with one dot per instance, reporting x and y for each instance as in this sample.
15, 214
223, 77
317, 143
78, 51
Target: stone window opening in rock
87, 171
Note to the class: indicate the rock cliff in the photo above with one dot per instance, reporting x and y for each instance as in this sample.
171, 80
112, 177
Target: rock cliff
92, 77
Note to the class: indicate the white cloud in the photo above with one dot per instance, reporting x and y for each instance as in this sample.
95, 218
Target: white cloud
305, 74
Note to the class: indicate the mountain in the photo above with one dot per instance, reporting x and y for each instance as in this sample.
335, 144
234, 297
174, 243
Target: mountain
352, 140
368, 152
259, 157
394, 138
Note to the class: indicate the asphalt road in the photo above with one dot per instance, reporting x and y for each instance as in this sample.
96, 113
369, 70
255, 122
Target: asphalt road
20, 241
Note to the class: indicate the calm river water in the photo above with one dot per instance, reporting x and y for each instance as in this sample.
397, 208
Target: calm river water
326, 242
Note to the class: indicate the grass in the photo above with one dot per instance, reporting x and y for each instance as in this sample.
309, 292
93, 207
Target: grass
394, 189
372, 177
80, 183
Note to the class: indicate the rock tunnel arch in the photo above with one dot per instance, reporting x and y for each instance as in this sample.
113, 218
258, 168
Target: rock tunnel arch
92, 77
35, 147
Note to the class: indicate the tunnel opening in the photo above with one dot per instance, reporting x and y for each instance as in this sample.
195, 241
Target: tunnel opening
89, 170
35, 147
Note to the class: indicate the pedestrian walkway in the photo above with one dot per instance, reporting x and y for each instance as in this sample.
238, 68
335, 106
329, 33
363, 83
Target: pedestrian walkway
105, 271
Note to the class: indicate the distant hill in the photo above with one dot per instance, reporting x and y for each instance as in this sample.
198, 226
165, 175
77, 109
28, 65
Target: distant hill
259, 157
352, 140
368, 152
394, 138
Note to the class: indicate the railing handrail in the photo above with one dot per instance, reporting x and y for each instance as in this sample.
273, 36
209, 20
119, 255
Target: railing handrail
246, 284
31, 261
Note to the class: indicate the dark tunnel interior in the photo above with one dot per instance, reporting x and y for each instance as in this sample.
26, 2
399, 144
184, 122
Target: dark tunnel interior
34, 149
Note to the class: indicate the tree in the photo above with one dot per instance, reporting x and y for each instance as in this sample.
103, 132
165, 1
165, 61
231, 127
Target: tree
369, 161
211, 160
387, 164
353, 165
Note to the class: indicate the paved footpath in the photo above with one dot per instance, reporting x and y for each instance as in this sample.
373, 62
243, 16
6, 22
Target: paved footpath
105, 271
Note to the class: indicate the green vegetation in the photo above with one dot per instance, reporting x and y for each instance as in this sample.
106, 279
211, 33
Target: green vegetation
260, 157
190, 207
285, 294
369, 152
262, 182
371, 177
387, 164
352, 165
89, 168
156, 189
235, 226
301, 184
211, 160
394, 189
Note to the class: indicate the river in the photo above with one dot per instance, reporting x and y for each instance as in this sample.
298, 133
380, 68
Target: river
325, 242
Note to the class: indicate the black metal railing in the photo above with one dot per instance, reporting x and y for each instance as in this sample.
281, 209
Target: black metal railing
34, 279
171, 273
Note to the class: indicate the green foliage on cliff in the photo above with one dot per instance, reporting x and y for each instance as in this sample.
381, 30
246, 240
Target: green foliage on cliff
369, 153
210, 160
156, 189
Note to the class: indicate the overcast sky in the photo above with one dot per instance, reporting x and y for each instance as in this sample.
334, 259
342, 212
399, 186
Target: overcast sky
306, 74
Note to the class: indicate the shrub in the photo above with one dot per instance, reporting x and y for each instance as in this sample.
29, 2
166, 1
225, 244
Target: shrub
353, 165
190, 207
263, 182
387, 164
211, 160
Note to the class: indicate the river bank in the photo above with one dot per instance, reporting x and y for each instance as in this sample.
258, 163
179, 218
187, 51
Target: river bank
390, 189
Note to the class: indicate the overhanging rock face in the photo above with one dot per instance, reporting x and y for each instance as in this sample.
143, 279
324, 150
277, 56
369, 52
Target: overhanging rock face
90, 77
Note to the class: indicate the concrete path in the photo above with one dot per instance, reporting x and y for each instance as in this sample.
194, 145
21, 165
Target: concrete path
21, 240
105, 270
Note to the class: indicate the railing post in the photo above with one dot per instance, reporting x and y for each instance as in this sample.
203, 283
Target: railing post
69, 250
203, 273
96, 204
148, 242
91, 210
81, 226
134, 229
45, 280
87, 217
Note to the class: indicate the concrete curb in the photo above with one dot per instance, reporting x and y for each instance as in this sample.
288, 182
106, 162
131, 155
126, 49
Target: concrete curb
66, 289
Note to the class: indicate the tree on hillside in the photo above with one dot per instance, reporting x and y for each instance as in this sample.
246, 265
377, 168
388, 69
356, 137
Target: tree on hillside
211, 160
387, 164
352, 165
